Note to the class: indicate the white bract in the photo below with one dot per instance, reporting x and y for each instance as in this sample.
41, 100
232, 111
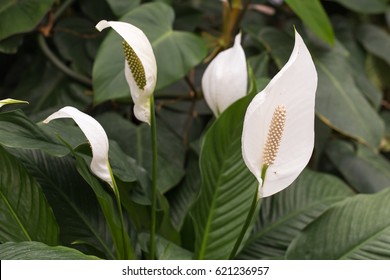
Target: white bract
10, 101
278, 132
225, 79
96, 137
140, 65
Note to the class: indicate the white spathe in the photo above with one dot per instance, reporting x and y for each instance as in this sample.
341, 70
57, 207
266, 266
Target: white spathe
294, 87
96, 137
143, 49
225, 79
11, 101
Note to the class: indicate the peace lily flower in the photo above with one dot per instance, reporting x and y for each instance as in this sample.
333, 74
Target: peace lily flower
10, 101
278, 132
140, 65
225, 79
96, 136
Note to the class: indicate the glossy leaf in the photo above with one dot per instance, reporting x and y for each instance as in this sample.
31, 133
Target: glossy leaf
39, 251
365, 170
356, 228
176, 52
74, 204
18, 131
285, 214
314, 16
227, 188
121, 7
341, 105
375, 40
24, 15
25, 212
364, 6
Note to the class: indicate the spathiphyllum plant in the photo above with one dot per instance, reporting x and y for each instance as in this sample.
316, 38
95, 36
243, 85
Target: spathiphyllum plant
141, 76
278, 132
225, 79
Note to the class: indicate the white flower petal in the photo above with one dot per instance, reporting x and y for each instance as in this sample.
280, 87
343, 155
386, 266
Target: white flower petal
10, 101
96, 136
143, 49
293, 87
225, 79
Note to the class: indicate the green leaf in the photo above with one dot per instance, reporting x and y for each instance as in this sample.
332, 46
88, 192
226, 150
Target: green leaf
365, 170
136, 142
39, 251
25, 213
285, 214
364, 6
165, 250
356, 228
122, 242
74, 204
314, 16
375, 40
340, 104
183, 196
227, 186
21, 16
17, 131
176, 52
121, 7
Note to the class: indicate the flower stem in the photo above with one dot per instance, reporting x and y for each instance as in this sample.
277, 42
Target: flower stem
154, 178
246, 224
128, 252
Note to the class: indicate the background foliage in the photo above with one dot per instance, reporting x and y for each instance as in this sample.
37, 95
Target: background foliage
52, 56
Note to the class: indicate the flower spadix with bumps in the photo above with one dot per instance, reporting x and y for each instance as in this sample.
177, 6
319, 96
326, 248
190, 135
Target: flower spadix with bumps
226, 77
96, 137
140, 65
278, 132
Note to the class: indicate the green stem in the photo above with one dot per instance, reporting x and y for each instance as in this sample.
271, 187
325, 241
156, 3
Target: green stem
249, 217
60, 65
246, 225
154, 178
128, 252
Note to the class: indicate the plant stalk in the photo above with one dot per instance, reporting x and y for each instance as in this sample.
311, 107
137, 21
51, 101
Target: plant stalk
154, 178
246, 225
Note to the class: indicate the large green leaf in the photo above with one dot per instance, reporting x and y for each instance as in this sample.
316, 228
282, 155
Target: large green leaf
314, 16
285, 214
365, 170
124, 248
356, 228
364, 6
25, 213
176, 52
21, 16
340, 103
74, 204
183, 196
227, 186
121, 7
375, 40
39, 251
17, 131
